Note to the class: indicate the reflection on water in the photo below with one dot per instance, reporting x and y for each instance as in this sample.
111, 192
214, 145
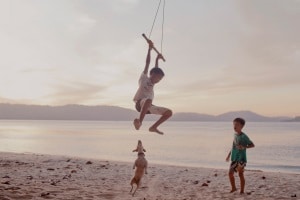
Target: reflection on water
197, 144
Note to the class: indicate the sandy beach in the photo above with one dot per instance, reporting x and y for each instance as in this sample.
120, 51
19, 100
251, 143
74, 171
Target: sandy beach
32, 176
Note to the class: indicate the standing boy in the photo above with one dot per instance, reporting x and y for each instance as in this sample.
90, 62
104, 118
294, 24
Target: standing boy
145, 94
241, 142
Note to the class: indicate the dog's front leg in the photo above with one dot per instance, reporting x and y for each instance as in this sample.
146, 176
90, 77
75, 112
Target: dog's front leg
146, 166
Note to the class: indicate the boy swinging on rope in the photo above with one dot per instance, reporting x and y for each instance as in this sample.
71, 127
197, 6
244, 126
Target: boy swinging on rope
145, 94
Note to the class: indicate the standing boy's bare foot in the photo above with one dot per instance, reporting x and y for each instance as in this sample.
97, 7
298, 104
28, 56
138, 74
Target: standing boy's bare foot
233, 190
151, 129
137, 124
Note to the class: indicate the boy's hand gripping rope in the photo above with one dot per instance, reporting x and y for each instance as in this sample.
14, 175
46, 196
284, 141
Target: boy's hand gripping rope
162, 57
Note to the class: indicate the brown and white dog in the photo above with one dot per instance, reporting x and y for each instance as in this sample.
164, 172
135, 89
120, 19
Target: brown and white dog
141, 169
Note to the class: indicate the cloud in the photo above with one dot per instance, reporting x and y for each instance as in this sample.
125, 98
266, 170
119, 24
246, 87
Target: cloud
92, 51
123, 5
270, 38
83, 24
75, 92
255, 48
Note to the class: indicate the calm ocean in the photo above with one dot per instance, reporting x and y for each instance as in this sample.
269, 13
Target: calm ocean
197, 144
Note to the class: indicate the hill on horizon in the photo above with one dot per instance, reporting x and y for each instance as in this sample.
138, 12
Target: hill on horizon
114, 113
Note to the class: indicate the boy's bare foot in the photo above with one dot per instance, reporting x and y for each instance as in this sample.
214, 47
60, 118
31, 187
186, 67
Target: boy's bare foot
137, 124
155, 130
233, 190
242, 192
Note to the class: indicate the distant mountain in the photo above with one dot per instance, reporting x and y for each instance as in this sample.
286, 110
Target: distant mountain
183, 116
229, 116
296, 119
113, 113
67, 112
249, 116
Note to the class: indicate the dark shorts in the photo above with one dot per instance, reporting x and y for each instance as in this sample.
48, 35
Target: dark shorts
237, 166
153, 109
139, 108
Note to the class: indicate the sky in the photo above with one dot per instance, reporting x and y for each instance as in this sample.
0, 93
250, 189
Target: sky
220, 55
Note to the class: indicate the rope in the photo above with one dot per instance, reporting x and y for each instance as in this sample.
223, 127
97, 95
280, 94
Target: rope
154, 19
163, 21
162, 28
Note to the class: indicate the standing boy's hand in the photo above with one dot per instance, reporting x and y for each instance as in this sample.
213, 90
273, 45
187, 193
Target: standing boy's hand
227, 159
228, 156
240, 147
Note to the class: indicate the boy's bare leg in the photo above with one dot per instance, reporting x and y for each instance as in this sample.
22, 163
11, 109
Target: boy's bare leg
242, 179
138, 122
232, 182
163, 118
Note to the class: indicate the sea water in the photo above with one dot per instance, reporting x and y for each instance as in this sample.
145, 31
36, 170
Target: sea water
196, 144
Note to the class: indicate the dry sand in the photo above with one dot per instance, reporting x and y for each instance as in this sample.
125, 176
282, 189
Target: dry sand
31, 176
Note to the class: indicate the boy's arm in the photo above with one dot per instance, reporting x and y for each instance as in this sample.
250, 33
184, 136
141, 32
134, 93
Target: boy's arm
241, 147
250, 145
144, 150
228, 156
159, 56
135, 150
148, 58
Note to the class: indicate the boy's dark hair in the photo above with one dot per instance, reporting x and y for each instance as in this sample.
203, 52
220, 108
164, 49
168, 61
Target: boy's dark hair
240, 120
157, 70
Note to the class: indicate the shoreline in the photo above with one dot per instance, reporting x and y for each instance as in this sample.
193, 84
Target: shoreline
37, 176
156, 163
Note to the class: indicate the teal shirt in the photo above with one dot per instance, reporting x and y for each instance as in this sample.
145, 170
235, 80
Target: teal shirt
236, 154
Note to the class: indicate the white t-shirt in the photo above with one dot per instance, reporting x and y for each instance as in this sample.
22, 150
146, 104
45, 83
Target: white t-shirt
145, 89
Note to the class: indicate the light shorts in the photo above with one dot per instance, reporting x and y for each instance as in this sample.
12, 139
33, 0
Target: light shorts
157, 110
